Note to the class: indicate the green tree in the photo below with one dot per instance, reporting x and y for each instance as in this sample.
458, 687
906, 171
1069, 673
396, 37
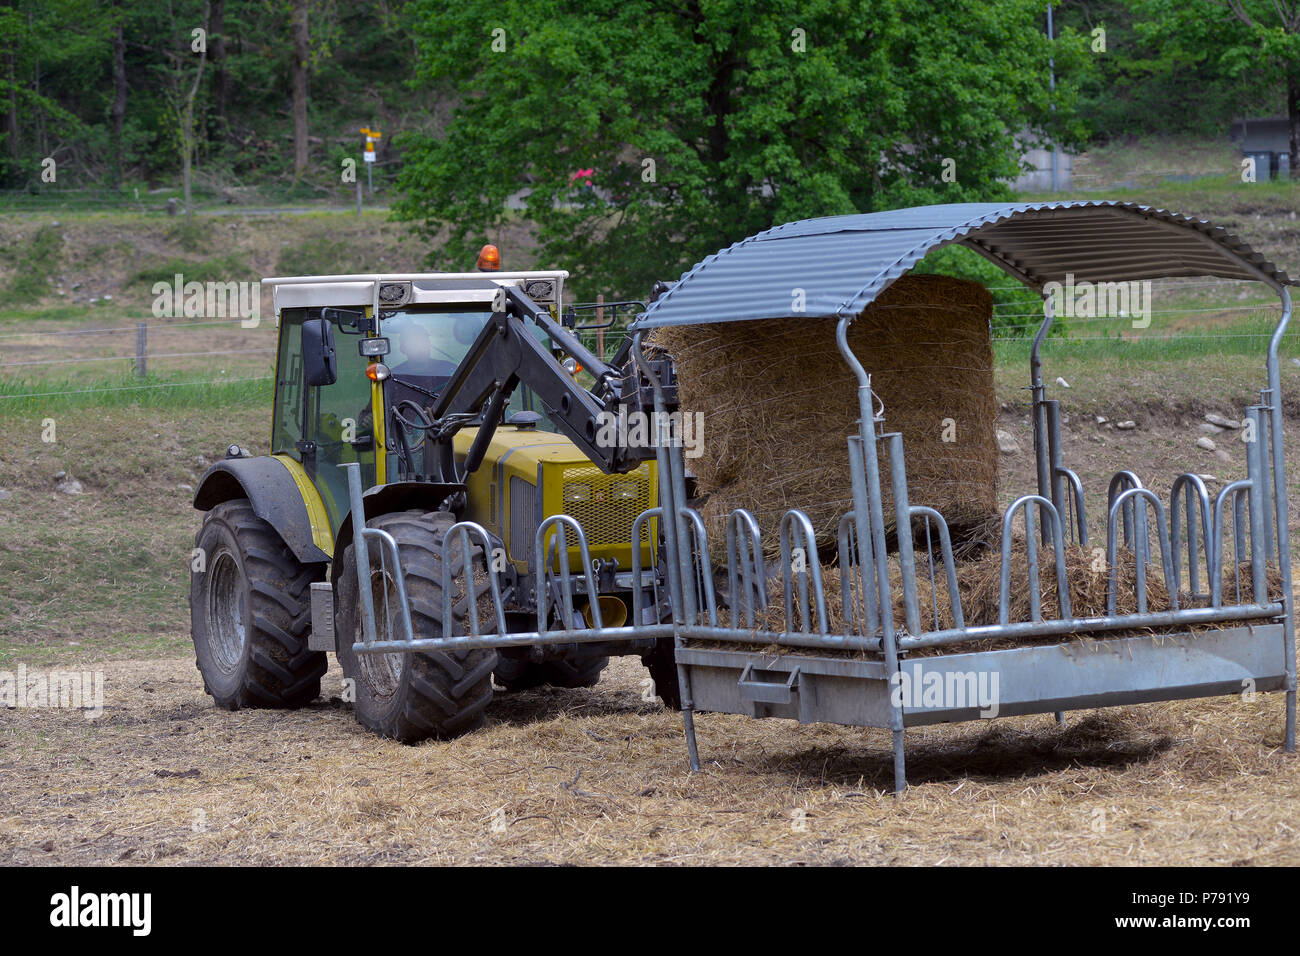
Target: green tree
1253, 40
1142, 80
707, 121
45, 48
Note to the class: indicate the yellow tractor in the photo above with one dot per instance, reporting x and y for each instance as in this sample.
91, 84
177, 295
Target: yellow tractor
419, 402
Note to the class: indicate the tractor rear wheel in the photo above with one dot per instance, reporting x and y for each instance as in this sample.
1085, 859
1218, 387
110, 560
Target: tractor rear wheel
412, 696
250, 613
571, 670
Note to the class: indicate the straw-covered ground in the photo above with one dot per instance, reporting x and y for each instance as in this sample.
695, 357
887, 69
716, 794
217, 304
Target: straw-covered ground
599, 776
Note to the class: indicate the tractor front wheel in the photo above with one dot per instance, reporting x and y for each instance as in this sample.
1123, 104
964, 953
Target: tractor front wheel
250, 613
412, 696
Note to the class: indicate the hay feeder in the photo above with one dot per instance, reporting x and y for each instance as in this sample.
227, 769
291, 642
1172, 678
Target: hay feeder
897, 640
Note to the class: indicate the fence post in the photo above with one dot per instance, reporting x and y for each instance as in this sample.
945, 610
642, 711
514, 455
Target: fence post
358, 197
141, 334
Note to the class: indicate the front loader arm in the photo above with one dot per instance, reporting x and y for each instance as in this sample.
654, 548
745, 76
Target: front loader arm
504, 355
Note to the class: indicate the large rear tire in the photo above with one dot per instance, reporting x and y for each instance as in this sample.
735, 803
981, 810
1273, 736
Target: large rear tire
250, 613
412, 697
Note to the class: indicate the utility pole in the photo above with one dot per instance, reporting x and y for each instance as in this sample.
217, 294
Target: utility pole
369, 155
1051, 80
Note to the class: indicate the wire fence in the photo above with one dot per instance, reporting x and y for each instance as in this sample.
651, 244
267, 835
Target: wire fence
136, 388
13, 345
1005, 332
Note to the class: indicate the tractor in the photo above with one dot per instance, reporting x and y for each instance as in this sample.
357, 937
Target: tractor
404, 405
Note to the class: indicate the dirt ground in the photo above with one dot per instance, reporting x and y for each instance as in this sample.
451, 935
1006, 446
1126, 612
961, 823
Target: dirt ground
600, 776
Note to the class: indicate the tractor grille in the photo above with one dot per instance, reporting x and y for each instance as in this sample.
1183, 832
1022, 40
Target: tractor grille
606, 505
523, 518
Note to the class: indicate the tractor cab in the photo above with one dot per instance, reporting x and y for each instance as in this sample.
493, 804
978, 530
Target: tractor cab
389, 364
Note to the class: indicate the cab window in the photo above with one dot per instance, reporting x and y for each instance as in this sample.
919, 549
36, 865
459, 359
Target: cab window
328, 426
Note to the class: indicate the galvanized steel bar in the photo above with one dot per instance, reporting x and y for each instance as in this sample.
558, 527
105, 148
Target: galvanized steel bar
702, 575
1190, 484
466, 642
795, 519
1119, 482
1052, 409
671, 502
638, 524
1233, 490
1038, 395
361, 553
1255, 475
1265, 486
465, 532
1281, 508
1062, 580
559, 546
850, 643
1085, 625
745, 567
862, 527
1112, 531
949, 565
903, 529
1074, 486
871, 507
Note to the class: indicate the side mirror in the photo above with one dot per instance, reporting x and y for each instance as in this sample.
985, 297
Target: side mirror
348, 320
320, 364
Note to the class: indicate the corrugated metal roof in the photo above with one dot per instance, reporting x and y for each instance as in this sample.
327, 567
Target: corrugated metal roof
841, 263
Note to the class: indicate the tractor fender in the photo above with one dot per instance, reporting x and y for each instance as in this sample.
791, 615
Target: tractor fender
281, 495
396, 496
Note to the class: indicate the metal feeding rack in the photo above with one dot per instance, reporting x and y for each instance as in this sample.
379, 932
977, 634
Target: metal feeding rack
1205, 643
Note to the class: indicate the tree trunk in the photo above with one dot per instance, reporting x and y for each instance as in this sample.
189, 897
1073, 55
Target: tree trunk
187, 118
11, 116
220, 79
1293, 117
118, 111
301, 53
185, 175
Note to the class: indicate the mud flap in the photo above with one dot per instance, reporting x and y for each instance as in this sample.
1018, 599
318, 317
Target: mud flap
322, 617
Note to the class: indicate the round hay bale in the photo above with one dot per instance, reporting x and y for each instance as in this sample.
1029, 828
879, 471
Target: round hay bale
779, 403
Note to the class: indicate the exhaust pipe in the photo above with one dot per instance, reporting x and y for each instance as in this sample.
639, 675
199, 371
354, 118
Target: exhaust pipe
613, 612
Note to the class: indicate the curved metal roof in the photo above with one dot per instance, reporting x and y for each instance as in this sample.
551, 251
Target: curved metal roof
841, 263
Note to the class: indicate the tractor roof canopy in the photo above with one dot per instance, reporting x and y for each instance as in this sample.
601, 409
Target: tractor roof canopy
842, 263
401, 290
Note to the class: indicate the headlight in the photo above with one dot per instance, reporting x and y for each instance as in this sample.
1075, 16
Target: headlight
625, 490
577, 493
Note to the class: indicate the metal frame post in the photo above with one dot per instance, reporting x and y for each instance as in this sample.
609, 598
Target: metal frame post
1280, 512
672, 499
873, 508
1038, 392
